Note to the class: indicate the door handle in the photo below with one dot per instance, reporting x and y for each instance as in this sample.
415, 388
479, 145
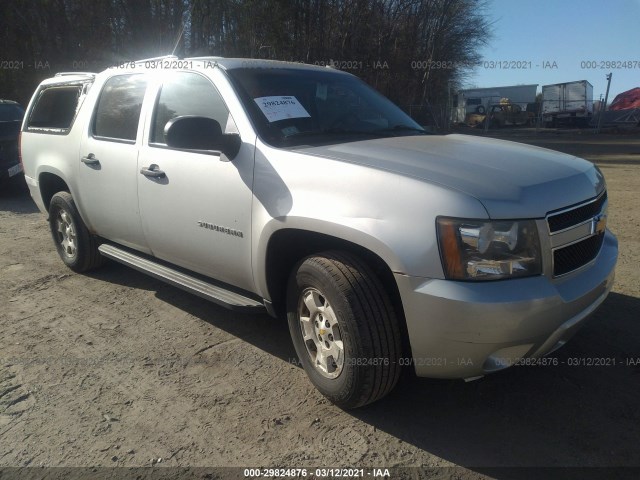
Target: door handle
152, 171
90, 160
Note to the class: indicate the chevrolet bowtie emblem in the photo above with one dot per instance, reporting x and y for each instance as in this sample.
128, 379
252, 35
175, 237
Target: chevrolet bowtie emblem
598, 224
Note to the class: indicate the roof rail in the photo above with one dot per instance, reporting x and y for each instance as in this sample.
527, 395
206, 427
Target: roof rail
163, 57
64, 74
212, 57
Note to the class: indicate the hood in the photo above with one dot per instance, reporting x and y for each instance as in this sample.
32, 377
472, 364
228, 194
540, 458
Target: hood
512, 180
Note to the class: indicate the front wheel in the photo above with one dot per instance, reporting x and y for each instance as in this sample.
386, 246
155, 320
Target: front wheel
77, 247
344, 328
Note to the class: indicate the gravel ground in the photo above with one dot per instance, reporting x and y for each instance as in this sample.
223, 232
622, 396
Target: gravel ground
117, 369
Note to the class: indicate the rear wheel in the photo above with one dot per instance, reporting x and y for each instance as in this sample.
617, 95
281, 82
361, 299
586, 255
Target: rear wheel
77, 247
344, 328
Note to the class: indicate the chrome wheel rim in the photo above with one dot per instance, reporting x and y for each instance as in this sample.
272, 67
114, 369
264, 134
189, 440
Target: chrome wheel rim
321, 333
66, 233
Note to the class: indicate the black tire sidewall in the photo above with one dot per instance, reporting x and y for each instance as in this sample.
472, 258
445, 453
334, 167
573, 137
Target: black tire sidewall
339, 389
64, 201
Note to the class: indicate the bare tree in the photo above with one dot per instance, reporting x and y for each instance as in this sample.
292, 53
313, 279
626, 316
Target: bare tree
413, 51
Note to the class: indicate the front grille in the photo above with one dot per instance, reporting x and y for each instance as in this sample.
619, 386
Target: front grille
574, 256
578, 215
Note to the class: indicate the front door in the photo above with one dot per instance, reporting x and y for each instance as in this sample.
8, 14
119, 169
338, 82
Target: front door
197, 214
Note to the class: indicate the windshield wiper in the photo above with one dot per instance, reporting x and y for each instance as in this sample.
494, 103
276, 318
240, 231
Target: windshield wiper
337, 131
381, 132
375, 133
402, 127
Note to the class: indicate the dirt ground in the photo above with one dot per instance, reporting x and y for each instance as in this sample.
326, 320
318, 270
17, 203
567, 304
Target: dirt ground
118, 369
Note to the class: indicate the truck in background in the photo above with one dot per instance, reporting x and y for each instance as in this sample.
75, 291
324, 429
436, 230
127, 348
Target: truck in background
11, 114
479, 100
569, 103
502, 114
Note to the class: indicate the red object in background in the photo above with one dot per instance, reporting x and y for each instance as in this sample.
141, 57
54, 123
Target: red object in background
625, 100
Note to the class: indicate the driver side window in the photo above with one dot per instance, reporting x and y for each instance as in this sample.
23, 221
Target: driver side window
185, 93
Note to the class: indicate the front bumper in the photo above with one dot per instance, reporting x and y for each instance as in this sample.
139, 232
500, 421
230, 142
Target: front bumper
466, 329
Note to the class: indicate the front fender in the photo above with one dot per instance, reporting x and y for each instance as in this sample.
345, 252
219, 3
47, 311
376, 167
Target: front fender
391, 215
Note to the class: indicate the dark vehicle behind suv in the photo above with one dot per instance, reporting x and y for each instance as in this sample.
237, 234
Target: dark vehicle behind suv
11, 114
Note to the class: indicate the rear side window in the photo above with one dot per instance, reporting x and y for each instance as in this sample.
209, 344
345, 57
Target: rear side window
118, 109
55, 108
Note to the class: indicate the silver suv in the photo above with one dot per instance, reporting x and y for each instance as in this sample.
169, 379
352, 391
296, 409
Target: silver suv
301, 191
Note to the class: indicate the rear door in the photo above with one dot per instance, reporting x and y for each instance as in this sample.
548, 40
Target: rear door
108, 162
198, 213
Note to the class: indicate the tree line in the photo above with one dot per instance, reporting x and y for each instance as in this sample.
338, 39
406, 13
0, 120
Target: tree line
413, 51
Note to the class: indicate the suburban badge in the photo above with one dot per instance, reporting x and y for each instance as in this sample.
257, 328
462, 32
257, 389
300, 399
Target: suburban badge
218, 228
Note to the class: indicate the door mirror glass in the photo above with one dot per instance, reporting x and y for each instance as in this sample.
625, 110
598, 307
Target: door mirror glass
200, 133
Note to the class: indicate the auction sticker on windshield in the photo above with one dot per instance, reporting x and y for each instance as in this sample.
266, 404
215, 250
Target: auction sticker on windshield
280, 108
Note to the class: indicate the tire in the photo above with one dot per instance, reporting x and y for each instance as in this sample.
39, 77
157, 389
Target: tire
77, 247
360, 328
480, 109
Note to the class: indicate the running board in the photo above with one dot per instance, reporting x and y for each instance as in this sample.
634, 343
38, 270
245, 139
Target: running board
208, 291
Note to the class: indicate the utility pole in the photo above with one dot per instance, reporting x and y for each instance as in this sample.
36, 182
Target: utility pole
603, 106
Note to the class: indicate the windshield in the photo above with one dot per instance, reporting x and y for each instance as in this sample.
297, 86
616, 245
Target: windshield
308, 107
10, 111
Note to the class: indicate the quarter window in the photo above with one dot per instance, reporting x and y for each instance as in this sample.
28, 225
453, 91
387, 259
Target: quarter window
185, 93
55, 108
118, 110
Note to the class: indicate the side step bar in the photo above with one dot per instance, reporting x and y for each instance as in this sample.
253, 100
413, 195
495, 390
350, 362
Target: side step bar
208, 291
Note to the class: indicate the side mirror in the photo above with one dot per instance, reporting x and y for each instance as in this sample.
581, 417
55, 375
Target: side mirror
191, 132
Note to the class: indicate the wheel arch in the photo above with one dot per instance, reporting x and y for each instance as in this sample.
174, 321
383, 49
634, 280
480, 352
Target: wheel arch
49, 184
286, 247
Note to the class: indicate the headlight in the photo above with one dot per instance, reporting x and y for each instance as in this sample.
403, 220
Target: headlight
482, 250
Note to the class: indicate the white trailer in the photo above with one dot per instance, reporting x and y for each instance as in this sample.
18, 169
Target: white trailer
567, 103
